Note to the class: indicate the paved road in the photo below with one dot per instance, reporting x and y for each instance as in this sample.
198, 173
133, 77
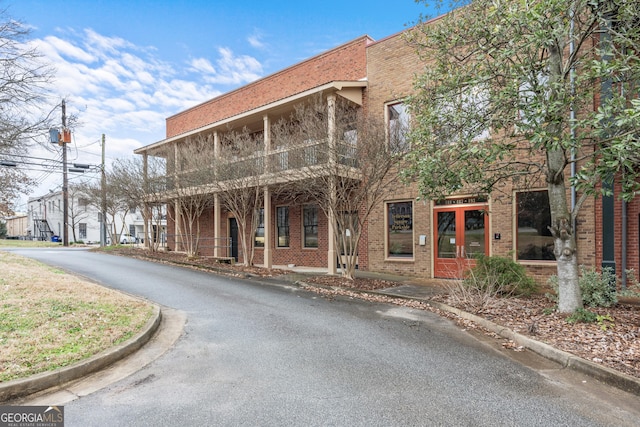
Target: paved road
256, 354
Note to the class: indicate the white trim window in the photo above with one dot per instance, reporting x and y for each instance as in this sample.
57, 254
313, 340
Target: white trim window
397, 115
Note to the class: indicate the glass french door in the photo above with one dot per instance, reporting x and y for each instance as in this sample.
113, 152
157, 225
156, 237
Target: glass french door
460, 235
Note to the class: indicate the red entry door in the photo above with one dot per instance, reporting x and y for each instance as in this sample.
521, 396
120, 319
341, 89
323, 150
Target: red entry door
460, 234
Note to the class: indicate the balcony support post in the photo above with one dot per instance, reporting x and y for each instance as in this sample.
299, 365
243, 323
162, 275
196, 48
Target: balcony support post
268, 231
146, 224
217, 241
178, 220
331, 252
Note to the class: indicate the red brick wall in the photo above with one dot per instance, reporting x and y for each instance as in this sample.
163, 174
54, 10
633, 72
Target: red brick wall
346, 62
391, 66
296, 253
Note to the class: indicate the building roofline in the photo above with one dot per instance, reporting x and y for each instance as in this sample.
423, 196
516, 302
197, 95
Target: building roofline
399, 33
335, 85
255, 82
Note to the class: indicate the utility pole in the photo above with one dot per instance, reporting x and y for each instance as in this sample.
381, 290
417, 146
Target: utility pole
65, 189
103, 225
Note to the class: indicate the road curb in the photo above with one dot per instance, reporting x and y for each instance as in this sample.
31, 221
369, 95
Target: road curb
39, 382
601, 373
567, 360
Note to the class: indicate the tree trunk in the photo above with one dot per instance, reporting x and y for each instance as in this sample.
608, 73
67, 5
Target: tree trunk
569, 298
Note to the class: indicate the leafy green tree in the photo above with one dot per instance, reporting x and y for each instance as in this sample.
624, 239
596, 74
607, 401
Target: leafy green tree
506, 97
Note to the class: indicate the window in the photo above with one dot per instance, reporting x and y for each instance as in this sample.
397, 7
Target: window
398, 126
347, 154
82, 230
259, 237
82, 203
132, 230
400, 230
534, 240
310, 226
463, 115
283, 226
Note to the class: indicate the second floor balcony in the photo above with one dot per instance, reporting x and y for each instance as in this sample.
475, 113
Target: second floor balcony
209, 173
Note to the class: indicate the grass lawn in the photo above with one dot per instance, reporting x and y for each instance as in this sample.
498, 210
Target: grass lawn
51, 319
11, 243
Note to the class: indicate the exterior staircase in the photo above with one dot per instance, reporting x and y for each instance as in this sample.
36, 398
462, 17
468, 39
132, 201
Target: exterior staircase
41, 229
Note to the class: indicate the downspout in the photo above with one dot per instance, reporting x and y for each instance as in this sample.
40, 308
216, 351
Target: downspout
623, 261
572, 119
623, 255
608, 211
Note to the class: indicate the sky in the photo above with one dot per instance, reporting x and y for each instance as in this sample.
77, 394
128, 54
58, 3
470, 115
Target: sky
123, 67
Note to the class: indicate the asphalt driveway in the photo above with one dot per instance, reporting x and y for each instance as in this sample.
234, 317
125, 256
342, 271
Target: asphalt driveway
257, 354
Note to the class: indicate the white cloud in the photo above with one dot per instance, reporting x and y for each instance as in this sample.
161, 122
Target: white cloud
230, 70
126, 92
255, 40
202, 65
68, 50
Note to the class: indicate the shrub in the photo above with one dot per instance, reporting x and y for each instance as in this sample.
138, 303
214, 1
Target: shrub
597, 289
582, 316
500, 275
633, 285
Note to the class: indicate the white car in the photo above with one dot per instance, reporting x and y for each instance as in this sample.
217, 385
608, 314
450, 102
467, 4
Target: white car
128, 238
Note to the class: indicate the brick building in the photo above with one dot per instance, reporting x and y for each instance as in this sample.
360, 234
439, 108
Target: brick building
438, 238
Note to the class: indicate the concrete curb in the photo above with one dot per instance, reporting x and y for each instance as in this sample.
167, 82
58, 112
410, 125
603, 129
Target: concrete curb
35, 383
567, 360
601, 373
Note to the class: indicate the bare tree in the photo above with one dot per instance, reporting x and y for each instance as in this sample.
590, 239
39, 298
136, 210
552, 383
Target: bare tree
192, 178
117, 206
140, 187
343, 161
77, 208
240, 172
23, 80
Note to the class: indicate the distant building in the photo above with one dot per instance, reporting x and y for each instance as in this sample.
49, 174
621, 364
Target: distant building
45, 220
17, 226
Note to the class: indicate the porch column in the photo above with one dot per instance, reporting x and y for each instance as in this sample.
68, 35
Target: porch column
266, 127
268, 231
331, 128
217, 241
216, 145
176, 178
331, 252
216, 226
178, 228
146, 216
